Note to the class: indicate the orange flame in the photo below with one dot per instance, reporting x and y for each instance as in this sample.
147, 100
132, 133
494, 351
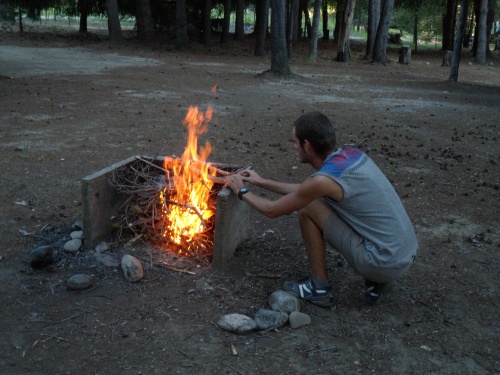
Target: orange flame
186, 206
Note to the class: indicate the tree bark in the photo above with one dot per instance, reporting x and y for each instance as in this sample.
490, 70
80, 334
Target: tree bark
343, 51
262, 13
279, 53
338, 21
294, 21
457, 48
324, 14
114, 27
313, 43
373, 21
380, 46
181, 35
239, 31
144, 20
206, 28
227, 21
83, 9
449, 21
481, 32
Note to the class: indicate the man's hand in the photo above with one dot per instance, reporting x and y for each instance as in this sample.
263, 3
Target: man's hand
235, 182
249, 175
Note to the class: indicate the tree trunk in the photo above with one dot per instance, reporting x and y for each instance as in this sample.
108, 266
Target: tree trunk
83, 9
181, 34
279, 53
262, 10
468, 31
239, 31
490, 25
313, 43
481, 32
457, 48
343, 51
20, 13
144, 20
380, 46
227, 21
338, 21
206, 29
324, 14
294, 19
114, 27
304, 10
415, 32
373, 21
449, 21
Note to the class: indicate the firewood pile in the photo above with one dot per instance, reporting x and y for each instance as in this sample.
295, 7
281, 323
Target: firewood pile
150, 195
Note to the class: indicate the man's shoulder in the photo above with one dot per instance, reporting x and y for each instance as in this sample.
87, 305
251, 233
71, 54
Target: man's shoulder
342, 160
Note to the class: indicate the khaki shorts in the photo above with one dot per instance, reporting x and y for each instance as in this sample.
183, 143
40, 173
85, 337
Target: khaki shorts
352, 246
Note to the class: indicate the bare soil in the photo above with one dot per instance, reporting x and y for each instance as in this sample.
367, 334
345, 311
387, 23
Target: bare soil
436, 141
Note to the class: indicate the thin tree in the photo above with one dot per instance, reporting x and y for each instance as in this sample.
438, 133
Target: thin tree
181, 34
144, 19
481, 32
279, 54
227, 21
239, 27
262, 15
373, 21
343, 51
449, 22
457, 48
313, 43
380, 46
83, 7
114, 27
206, 19
324, 15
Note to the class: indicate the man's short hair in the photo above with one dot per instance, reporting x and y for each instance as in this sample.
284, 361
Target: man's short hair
318, 130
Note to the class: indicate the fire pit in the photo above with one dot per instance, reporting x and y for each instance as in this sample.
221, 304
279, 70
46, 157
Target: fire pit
178, 205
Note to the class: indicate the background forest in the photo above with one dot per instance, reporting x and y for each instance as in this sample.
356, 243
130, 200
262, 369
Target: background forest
452, 23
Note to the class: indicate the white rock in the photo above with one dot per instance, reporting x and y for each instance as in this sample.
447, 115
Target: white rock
269, 319
132, 268
297, 319
237, 323
76, 235
73, 245
107, 260
280, 300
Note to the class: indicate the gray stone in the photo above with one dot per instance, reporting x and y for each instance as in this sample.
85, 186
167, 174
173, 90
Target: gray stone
73, 246
42, 256
237, 323
102, 246
269, 319
284, 301
79, 281
107, 260
132, 268
298, 319
76, 235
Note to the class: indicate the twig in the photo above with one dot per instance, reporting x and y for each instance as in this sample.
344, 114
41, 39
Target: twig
165, 265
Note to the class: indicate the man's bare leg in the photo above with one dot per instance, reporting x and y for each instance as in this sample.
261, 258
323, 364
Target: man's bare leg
312, 221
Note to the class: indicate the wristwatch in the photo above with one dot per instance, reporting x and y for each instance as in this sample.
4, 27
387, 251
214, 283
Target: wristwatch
242, 191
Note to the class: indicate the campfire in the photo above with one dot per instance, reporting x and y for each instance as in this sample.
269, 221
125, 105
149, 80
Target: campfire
172, 201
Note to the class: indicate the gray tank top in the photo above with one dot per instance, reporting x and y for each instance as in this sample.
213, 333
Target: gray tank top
371, 207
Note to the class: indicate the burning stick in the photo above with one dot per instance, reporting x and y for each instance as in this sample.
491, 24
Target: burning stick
188, 206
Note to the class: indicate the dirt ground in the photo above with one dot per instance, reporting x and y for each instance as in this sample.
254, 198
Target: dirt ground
83, 105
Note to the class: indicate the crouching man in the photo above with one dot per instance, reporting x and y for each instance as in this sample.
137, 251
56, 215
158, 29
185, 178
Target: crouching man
348, 203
